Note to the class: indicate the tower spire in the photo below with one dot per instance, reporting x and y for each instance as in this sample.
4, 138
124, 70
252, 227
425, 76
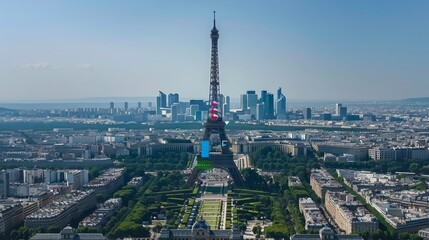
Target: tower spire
214, 19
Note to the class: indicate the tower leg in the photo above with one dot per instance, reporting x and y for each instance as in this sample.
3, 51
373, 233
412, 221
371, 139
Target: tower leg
236, 176
193, 177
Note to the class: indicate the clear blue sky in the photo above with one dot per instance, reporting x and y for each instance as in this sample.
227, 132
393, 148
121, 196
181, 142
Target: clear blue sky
342, 50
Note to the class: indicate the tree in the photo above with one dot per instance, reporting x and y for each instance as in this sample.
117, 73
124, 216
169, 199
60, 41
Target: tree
157, 228
126, 193
24, 233
242, 227
257, 230
94, 172
415, 237
415, 167
253, 180
130, 229
276, 231
87, 230
99, 198
54, 229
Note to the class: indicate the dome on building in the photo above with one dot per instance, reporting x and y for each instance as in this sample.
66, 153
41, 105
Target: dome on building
68, 230
326, 231
201, 224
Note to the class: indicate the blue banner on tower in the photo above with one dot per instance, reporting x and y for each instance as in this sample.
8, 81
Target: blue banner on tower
205, 149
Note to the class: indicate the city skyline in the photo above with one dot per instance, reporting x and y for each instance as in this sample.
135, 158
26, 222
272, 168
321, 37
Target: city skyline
310, 49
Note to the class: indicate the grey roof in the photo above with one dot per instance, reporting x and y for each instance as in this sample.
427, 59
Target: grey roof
181, 232
46, 236
188, 232
91, 236
57, 236
224, 233
317, 237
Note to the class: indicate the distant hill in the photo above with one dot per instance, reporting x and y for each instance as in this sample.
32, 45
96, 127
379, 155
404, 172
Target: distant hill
7, 110
416, 100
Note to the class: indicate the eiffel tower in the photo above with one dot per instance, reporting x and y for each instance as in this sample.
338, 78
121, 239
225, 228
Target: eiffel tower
223, 159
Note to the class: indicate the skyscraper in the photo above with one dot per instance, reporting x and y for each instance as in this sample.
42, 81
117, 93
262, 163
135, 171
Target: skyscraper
252, 100
226, 105
172, 99
112, 105
337, 108
269, 106
343, 112
139, 105
193, 109
263, 96
263, 100
243, 102
201, 103
221, 100
126, 106
340, 110
307, 113
260, 111
281, 104
174, 111
161, 102
4, 184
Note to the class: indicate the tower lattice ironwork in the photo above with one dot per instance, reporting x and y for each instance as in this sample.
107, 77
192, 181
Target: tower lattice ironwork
215, 124
214, 69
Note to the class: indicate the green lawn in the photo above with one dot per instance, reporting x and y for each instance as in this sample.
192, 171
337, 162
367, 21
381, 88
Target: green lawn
211, 212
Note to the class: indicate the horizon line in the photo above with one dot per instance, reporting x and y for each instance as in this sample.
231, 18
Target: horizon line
145, 98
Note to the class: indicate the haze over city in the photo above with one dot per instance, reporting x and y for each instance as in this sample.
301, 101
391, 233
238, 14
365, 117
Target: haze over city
221, 120
314, 50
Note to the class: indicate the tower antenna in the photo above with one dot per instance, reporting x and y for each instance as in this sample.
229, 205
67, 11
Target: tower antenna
214, 18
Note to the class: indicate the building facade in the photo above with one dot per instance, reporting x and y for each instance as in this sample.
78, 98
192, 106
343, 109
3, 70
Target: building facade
200, 231
350, 215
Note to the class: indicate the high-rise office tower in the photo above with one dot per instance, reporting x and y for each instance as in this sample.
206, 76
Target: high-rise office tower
226, 104
252, 100
201, 103
112, 105
326, 116
307, 113
343, 112
221, 100
260, 111
243, 102
172, 99
158, 105
174, 112
269, 106
161, 102
193, 109
4, 184
337, 108
176, 98
139, 105
281, 104
340, 110
263, 96
126, 106
264, 100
